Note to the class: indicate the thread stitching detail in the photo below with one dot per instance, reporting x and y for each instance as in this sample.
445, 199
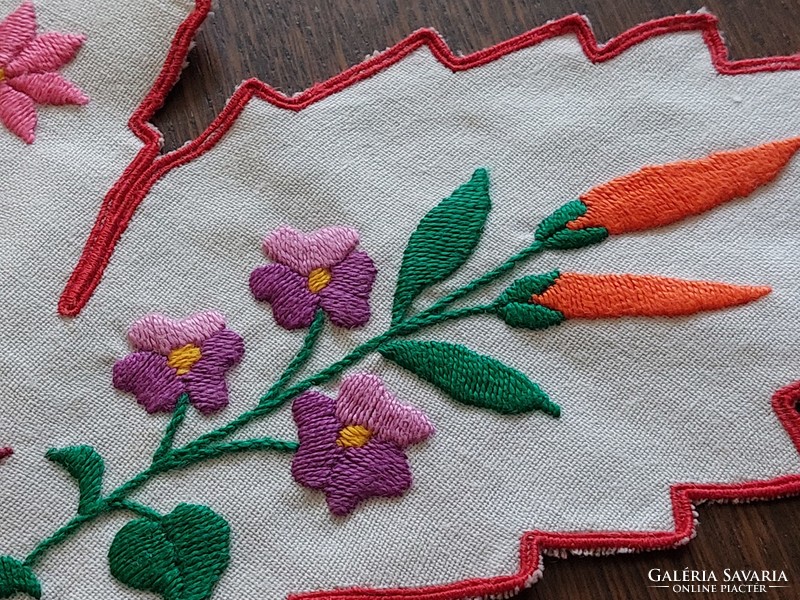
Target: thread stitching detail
123, 199
353, 448
29, 64
186, 357
317, 271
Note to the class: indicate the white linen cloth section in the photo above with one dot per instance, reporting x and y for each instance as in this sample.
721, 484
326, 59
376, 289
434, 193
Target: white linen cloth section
647, 403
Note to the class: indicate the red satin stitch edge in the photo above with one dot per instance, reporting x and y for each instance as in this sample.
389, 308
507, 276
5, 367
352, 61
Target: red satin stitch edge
148, 167
534, 543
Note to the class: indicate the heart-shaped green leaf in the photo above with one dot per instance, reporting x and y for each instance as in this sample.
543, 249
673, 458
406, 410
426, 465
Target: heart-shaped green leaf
443, 241
17, 578
180, 556
469, 377
87, 467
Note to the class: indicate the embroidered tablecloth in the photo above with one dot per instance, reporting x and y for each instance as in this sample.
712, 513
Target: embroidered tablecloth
395, 336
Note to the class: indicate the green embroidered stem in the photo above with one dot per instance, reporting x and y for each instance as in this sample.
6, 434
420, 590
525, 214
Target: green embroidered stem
173, 459
451, 315
206, 447
185, 457
138, 481
172, 428
74, 524
300, 359
483, 280
138, 509
59, 536
271, 400
190, 454
274, 399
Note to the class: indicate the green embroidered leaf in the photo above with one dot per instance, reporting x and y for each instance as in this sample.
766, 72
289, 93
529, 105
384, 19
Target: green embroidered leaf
469, 377
17, 578
530, 316
554, 233
180, 556
443, 241
87, 467
558, 220
567, 239
515, 308
523, 288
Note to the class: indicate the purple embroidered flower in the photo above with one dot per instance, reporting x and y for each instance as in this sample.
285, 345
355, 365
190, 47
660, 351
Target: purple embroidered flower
190, 356
352, 448
316, 270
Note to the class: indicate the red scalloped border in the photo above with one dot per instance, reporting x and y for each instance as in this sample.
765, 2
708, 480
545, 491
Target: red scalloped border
785, 403
148, 167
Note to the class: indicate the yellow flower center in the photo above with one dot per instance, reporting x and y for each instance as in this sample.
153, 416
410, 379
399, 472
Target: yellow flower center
2, 74
318, 279
353, 436
183, 359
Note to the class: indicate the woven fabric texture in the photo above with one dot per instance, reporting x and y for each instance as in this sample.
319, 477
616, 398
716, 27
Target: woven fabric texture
646, 403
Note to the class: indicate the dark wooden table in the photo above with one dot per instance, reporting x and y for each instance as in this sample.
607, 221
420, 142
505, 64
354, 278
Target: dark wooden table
291, 45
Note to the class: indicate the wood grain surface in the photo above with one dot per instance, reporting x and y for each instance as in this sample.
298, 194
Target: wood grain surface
291, 45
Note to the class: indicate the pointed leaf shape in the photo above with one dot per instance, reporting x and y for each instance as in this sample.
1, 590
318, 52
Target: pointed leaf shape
529, 316
17, 578
443, 241
524, 288
553, 231
558, 220
180, 556
87, 467
469, 377
515, 308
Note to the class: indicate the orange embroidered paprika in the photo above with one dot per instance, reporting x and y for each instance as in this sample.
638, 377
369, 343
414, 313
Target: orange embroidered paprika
580, 296
539, 301
659, 195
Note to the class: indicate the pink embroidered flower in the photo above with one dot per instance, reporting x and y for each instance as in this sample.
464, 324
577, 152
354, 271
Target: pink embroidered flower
6, 451
28, 71
190, 356
316, 270
352, 448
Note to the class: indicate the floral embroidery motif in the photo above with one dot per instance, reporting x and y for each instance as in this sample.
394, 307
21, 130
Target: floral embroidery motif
189, 357
29, 64
6, 451
445, 238
352, 448
316, 270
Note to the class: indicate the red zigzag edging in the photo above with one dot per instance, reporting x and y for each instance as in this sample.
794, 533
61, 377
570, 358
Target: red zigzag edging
148, 167
533, 543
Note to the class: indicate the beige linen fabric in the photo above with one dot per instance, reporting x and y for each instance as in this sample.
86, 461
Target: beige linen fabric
647, 403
